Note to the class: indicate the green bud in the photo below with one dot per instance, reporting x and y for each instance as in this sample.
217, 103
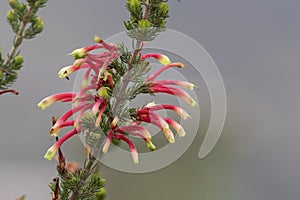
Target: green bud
134, 3
101, 194
39, 24
17, 5
74, 179
18, 60
11, 16
144, 24
163, 8
13, 20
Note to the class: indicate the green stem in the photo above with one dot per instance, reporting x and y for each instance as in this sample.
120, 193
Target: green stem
18, 38
125, 82
85, 175
126, 79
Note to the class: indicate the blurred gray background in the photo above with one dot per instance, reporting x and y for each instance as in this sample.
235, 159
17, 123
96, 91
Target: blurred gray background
256, 45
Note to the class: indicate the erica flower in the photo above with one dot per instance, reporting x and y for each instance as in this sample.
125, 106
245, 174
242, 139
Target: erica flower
94, 102
108, 141
66, 71
156, 88
53, 149
133, 150
120, 136
182, 113
161, 58
185, 84
63, 97
62, 119
153, 118
176, 126
133, 129
158, 72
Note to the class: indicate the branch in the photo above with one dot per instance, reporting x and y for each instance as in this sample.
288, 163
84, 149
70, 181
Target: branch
9, 91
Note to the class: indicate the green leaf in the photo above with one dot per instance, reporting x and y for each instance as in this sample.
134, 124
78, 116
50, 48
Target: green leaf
13, 20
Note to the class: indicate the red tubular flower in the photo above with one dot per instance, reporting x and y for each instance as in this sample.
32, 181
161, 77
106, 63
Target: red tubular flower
155, 88
132, 148
182, 113
107, 61
53, 149
153, 118
80, 114
85, 89
185, 84
158, 72
161, 58
54, 130
109, 47
133, 129
96, 106
63, 97
178, 128
96, 94
98, 120
108, 141
85, 81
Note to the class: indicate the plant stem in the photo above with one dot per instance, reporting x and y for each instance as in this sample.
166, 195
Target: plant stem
125, 83
126, 79
9, 91
85, 175
18, 38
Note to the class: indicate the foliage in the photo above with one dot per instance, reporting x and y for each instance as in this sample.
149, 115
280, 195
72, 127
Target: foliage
25, 24
146, 28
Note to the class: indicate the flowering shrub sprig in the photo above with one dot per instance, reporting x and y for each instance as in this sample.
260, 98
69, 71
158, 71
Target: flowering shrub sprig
25, 24
100, 111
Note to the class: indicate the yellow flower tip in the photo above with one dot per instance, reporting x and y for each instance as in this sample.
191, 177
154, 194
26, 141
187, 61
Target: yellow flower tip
178, 64
171, 139
164, 60
54, 131
78, 53
105, 148
169, 135
49, 155
151, 104
63, 73
151, 146
181, 132
97, 39
115, 121
191, 86
11, 1
192, 102
44, 104
135, 157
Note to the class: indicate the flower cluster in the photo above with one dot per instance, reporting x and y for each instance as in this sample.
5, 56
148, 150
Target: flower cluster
103, 72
